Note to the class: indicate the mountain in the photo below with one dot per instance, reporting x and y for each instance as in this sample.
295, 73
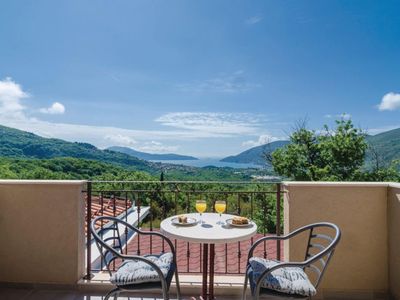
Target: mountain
21, 144
255, 155
150, 156
66, 168
24, 155
386, 144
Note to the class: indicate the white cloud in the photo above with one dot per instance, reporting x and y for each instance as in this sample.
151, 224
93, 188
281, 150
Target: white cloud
157, 147
120, 140
343, 116
178, 126
253, 20
55, 109
378, 130
226, 124
390, 101
225, 83
11, 95
128, 141
262, 140
103, 136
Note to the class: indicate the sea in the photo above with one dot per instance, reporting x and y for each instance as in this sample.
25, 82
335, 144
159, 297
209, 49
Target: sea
204, 162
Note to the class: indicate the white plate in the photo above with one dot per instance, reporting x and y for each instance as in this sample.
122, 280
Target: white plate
190, 221
229, 222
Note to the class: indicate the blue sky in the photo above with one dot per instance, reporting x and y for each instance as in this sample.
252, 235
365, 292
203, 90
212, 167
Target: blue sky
205, 78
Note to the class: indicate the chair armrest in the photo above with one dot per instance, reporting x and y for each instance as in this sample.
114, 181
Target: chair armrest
133, 228
278, 238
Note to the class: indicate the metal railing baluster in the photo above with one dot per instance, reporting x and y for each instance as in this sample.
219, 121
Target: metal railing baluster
278, 220
102, 226
138, 208
88, 231
126, 220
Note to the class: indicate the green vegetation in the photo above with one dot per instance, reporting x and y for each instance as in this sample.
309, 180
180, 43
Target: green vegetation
24, 145
211, 173
384, 146
334, 155
20, 144
65, 168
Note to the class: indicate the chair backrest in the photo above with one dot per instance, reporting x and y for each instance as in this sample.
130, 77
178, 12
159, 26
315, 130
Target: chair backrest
321, 247
108, 238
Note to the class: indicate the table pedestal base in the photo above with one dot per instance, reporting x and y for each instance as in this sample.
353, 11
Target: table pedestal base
205, 268
208, 258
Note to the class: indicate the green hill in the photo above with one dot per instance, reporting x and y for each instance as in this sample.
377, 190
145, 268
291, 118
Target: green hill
386, 144
24, 155
255, 155
65, 168
21, 144
150, 156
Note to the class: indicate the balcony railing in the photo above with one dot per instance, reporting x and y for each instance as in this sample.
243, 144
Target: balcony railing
146, 203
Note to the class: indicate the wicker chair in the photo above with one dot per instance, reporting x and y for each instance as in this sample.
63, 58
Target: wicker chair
289, 279
135, 272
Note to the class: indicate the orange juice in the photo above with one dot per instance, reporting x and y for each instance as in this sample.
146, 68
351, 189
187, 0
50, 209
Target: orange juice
220, 206
201, 206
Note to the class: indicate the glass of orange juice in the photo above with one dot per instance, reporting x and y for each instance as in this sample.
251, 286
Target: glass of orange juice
201, 206
220, 207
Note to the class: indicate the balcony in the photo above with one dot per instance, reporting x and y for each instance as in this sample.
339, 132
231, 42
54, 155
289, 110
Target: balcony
45, 252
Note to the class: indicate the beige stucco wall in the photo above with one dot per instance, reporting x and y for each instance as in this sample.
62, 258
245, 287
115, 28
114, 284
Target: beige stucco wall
41, 231
360, 263
394, 239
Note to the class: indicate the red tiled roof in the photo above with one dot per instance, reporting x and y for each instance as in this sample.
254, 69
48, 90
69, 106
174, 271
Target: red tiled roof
107, 207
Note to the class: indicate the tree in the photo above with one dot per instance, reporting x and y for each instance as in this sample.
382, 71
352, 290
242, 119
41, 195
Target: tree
344, 150
330, 155
381, 169
384, 173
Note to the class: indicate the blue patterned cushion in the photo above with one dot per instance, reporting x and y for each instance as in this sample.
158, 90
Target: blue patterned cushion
134, 272
289, 280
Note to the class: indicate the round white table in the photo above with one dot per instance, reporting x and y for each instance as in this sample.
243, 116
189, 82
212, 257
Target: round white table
208, 233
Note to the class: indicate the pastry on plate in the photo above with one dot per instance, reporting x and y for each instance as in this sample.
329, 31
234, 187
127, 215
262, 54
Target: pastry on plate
240, 221
182, 219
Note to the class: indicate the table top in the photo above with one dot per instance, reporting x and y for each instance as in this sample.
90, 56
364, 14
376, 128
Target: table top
209, 232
